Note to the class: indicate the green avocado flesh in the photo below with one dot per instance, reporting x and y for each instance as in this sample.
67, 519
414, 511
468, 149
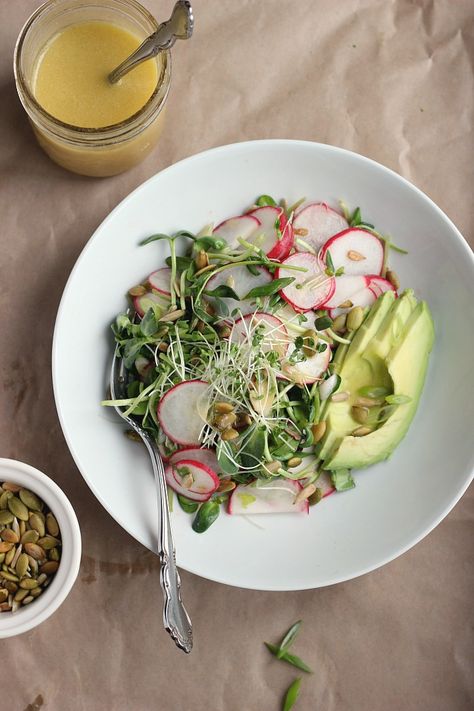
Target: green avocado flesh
389, 350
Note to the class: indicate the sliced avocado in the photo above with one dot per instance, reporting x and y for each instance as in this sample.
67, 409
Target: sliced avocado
345, 354
406, 364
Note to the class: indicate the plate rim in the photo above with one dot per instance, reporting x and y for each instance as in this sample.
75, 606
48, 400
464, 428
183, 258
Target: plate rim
236, 146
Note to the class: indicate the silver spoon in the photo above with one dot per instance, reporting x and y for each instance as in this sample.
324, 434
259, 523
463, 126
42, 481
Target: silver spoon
176, 620
179, 26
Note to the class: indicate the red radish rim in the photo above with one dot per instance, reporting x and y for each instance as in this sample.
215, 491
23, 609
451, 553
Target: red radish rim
157, 288
197, 465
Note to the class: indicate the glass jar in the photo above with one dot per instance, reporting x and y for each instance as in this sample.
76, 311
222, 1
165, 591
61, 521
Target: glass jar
96, 152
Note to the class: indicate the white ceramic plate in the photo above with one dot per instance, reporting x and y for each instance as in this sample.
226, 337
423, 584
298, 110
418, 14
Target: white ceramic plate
395, 504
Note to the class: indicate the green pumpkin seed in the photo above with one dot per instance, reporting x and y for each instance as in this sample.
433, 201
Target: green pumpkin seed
54, 554
360, 414
9, 556
28, 583
4, 500
3, 594
22, 565
20, 595
36, 592
49, 567
37, 524
2, 557
30, 500
11, 586
48, 542
18, 508
30, 536
22, 527
10, 536
6, 517
5, 547
52, 525
355, 318
35, 551
10, 576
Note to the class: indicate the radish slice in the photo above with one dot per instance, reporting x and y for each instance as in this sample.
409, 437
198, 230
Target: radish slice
241, 281
276, 243
160, 281
141, 304
235, 227
320, 221
309, 370
379, 285
182, 411
142, 366
310, 288
364, 297
275, 496
345, 288
356, 250
307, 469
198, 454
191, 479
275, 335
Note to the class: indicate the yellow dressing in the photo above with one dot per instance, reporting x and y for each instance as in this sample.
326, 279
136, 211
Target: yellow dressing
71, 75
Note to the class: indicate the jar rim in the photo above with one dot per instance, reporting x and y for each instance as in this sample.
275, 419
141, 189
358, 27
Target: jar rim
122, 129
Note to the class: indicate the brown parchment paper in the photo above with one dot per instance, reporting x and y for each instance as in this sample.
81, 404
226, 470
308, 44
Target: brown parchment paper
390, 79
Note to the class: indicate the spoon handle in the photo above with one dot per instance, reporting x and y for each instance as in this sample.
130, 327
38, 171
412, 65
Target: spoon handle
155, 43
175, 618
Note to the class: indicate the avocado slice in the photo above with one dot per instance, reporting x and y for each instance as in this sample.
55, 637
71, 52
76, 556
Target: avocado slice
398, 354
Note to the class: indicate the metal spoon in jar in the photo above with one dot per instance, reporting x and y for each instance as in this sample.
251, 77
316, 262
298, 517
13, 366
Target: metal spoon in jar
179, 26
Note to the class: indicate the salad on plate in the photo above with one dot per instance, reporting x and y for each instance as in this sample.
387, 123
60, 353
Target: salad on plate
270, 356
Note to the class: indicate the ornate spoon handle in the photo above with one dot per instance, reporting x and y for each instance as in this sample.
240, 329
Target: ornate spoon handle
175, 618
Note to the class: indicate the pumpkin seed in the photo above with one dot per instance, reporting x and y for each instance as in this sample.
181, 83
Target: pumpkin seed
4, 500
37, 524
355, 318
30, 536
48, 542
28, 583
41, 578
223, 408
11, 586
9, 576
346, 304
36, 592
225, 486
360, 414
355, 256
340, 397
30, 500
6, 517
49, 567
28, 599
368, 402
201, 260
310, 341
137, 290
9, 535
5, 546
229, 434
361, 431
223, 422
22, 527
20, 595
3, 594
316, 497
35, 551
272, 467
18, 508
339, 323
294, 462
21, 565
318, 430
305, 493
2, 557
10, 486
54, 554
9, 556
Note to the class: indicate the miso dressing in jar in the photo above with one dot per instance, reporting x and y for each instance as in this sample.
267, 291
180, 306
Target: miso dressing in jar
63, 57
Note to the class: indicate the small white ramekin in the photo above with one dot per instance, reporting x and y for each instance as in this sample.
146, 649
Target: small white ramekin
25, 618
